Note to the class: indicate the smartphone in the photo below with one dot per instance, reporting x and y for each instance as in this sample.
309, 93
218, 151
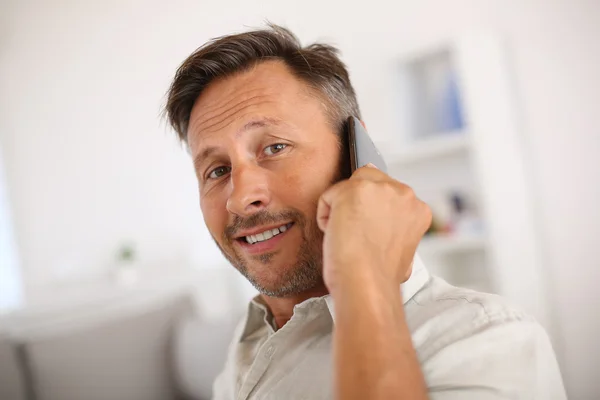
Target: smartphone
361, 148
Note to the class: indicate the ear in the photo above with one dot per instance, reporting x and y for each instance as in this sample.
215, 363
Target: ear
363, 124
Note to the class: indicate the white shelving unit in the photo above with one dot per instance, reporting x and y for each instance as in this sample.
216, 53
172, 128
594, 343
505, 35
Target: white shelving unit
453, 244
458, 143
430, 149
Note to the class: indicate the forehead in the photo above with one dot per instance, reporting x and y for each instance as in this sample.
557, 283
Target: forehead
268, 89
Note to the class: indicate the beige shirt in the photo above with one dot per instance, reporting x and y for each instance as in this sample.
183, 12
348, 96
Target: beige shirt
471, 346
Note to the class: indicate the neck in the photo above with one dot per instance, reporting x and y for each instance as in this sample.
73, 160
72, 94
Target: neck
282, 308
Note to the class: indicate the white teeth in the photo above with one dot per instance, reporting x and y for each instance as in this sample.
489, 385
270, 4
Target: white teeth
266, 235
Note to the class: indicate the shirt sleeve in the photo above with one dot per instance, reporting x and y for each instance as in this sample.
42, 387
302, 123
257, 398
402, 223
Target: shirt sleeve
512, 360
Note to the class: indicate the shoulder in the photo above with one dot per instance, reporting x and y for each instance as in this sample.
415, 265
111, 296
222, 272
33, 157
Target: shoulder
470, 343
440, 314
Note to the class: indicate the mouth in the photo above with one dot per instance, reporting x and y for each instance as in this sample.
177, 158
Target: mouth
265, 240
266, 234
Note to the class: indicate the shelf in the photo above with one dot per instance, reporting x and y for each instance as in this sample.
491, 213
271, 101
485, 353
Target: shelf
448, 244
434, 147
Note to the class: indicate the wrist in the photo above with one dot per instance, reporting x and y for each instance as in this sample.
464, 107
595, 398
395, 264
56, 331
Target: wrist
367, 299
361, 280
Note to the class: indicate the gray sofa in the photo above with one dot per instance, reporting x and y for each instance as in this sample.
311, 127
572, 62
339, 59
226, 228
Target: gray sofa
159, 349
12, 379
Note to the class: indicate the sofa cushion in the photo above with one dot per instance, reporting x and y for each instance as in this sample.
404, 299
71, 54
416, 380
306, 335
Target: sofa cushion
12, 384
123, 358
200, 351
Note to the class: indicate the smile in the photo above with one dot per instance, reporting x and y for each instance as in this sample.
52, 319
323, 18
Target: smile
267, 234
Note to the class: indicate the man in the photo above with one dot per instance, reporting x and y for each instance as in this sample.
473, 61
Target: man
345, 308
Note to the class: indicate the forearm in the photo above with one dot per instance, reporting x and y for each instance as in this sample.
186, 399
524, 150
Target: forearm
373, 353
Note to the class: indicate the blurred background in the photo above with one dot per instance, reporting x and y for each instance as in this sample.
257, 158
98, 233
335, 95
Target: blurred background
110, 285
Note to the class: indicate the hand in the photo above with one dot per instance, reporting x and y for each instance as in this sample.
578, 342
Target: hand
372, 226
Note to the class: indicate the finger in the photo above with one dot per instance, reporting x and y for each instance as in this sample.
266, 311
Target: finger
370, 172
325, 203
323, 211
376, 175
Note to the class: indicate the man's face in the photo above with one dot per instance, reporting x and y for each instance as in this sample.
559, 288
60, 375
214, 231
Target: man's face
264, 151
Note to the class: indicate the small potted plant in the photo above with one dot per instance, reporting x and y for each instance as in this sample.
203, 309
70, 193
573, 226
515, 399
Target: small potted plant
127, 273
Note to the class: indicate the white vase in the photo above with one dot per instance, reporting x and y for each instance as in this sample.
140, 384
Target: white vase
127, 275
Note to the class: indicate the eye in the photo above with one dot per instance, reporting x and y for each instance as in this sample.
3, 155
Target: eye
274, 148
219, 172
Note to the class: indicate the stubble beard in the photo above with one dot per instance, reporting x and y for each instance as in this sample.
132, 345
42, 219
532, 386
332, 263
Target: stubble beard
304, 275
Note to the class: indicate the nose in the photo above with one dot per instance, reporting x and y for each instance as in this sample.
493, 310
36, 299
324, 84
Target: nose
250, 190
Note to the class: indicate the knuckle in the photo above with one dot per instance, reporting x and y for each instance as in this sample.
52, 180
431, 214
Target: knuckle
407, 194
410, 193
427, 211
364, 185
389, 189
364, 191
426, 215
353, 189
359, 174
356, 185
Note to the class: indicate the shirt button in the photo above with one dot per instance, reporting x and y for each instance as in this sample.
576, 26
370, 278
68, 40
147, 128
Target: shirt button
270, 351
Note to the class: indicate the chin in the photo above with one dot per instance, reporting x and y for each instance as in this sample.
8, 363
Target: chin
284, 281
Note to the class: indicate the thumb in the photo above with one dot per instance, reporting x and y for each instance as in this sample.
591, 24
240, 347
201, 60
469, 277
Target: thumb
323, 212
324, 207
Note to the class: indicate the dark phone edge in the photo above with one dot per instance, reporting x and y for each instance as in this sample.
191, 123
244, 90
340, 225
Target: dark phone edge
350, 124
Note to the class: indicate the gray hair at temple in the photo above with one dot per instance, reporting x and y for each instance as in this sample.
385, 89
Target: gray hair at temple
318, 65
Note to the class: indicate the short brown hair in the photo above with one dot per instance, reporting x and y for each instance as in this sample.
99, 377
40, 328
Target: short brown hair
318, 65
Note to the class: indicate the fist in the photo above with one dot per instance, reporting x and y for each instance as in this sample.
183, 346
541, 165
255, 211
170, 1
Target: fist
372, 226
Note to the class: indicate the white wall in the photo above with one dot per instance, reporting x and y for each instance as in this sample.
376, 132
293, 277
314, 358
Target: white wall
89, 163
558, 59
11, 285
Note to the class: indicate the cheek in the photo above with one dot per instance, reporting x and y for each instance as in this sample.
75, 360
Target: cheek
302, 189
215, 216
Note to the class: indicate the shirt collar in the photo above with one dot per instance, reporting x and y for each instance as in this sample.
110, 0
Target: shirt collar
418, 278
258, 313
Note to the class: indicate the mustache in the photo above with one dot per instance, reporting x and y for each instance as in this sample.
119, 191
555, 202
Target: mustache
262, 217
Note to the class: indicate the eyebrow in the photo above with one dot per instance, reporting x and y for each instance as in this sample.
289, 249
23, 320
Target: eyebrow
203, 155
261, 123
254, 124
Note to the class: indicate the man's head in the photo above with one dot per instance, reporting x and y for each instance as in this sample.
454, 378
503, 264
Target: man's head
262, 117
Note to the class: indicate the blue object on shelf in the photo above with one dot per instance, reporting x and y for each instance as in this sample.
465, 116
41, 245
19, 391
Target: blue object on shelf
451, 115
